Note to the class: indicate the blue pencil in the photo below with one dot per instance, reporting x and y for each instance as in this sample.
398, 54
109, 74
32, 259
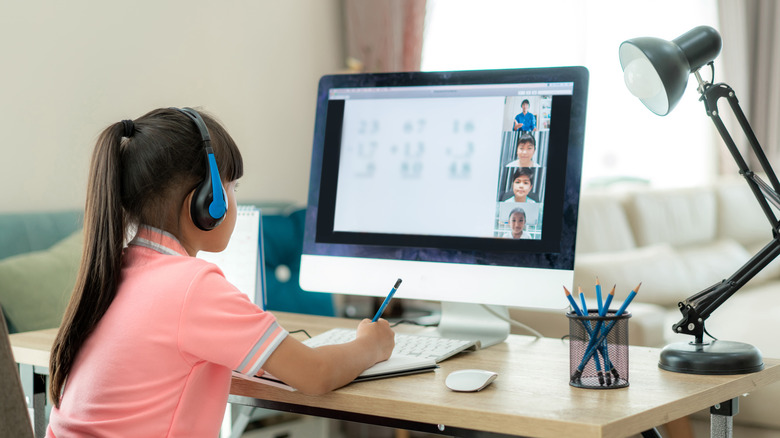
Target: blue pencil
598, 295
573, 303
602, 313
602, 347
607, 302
628, 300
387, 300
584, 303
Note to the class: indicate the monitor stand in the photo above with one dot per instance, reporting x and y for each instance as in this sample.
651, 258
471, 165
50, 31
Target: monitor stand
473, 322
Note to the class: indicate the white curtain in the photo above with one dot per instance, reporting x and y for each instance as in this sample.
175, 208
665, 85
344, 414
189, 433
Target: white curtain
750, 63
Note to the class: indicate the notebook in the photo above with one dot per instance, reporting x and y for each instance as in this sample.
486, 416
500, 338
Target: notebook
397, 365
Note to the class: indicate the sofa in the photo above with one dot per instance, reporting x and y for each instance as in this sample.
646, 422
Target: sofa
677, 242
40, 254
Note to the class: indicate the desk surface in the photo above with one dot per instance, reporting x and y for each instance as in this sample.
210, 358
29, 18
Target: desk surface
531, 395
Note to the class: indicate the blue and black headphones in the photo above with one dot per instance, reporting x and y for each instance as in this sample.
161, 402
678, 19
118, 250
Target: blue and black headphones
209, 201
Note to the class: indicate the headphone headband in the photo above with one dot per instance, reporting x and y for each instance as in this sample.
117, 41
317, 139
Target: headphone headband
199, 122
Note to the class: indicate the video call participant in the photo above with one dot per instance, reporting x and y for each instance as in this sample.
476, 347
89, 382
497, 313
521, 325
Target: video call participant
525, 121
522, 184
526, 148
517, 225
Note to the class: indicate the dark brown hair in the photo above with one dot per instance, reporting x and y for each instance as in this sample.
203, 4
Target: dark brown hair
520, 171
526, 139
140, 179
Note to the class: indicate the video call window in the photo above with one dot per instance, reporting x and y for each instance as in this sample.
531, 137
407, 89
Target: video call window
444, 167
522, 171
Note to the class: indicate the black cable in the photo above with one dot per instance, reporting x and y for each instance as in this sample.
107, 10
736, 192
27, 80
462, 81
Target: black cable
712, 68
301, 331
708, 334
409, 321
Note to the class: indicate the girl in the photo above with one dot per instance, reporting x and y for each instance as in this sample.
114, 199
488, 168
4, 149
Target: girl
151, 333
517, 225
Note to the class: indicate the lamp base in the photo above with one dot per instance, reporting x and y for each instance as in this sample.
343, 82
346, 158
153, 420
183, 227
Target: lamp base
715, 358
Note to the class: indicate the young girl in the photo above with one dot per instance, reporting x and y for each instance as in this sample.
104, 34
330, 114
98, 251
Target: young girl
151, 333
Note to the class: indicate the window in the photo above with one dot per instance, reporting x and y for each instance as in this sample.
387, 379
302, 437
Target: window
622, 137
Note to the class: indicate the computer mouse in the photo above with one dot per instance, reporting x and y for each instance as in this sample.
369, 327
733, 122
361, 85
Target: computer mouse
469, 380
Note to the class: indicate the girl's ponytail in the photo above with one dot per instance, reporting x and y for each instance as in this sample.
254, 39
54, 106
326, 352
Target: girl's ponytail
104, 226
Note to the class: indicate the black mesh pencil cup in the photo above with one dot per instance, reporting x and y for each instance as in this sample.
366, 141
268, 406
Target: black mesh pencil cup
598, 350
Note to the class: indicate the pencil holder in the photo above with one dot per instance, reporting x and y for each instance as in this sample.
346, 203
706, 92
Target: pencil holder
598, 350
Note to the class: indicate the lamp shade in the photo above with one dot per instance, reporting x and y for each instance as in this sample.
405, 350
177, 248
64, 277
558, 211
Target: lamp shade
656, 71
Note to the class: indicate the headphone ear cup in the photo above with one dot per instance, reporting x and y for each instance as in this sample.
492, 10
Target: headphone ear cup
199, 207
206, 212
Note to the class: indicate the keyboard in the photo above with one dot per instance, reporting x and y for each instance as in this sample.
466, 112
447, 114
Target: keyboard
430, 347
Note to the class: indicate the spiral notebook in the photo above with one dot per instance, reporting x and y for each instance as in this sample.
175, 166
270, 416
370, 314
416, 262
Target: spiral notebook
242, 261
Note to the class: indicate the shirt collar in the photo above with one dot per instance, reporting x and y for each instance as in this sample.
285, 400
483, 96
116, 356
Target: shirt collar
158, 240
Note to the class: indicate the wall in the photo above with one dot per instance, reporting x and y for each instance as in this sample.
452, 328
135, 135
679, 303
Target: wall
69, 69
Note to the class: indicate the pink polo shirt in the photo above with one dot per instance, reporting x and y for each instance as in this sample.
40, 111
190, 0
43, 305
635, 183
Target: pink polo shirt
159, 361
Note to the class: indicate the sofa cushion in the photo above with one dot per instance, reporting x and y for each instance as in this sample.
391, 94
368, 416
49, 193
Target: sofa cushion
710, 263
660, 268
24, 232
739, 215
602, 225
676, 216
771, 272
35, 287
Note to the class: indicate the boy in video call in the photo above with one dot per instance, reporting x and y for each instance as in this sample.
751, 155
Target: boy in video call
526, 148
522, 184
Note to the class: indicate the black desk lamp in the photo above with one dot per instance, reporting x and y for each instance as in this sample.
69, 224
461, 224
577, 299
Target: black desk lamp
656, 71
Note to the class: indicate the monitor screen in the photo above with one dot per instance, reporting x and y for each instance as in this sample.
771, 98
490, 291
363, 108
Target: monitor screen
464, 184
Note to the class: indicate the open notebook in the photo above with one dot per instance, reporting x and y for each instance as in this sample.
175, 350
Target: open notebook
397, 365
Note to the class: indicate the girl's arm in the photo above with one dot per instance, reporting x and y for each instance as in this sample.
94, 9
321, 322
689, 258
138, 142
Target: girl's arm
323, 369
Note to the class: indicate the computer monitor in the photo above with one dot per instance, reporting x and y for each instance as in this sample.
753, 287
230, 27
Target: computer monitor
423, 175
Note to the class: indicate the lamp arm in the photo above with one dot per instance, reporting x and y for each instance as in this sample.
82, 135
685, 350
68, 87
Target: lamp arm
710, 94
697, 308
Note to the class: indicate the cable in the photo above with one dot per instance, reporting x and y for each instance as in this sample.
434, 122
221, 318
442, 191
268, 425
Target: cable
712, 68
512, 322
708, 334
300, 331
409, 321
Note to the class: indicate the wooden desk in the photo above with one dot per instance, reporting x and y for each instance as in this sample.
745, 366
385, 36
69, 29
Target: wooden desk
531, 396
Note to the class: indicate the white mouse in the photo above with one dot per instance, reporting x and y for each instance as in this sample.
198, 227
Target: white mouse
469, 380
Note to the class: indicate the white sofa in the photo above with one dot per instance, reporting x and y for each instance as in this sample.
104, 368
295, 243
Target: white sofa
678, 242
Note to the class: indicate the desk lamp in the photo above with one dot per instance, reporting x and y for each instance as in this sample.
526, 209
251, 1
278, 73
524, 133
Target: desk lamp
656, 71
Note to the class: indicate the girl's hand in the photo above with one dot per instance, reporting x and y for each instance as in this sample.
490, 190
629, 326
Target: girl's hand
322, 369
379, 335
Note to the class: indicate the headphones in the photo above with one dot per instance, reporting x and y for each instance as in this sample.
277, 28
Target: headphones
209, 201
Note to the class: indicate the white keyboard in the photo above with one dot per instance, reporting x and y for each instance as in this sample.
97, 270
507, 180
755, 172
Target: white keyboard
431, 347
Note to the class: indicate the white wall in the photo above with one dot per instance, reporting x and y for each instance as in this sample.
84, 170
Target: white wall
69, 69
